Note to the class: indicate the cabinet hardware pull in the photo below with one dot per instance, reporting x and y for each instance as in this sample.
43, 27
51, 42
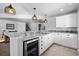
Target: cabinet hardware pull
41, 48
41, 41
41, 44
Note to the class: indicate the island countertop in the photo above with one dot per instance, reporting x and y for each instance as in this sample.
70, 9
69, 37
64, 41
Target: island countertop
17, 41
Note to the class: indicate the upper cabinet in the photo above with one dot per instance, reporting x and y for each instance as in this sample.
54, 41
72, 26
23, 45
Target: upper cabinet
69, 20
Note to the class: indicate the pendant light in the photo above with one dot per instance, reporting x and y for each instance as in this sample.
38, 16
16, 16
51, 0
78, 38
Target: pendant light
34, 18
9, 9
45, 21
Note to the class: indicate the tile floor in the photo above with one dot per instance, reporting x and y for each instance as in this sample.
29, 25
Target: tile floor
57, 50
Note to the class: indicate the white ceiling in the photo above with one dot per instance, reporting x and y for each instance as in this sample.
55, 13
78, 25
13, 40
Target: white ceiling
51, 9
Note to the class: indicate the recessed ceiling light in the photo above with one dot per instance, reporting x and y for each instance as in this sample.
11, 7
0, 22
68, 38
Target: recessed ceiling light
61, 9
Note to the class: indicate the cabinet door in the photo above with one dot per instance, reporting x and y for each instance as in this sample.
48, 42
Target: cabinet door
58, 37
49, 38
66, 20
53, 37
48, 41
71, 40
68, 39
41, 45
44, 43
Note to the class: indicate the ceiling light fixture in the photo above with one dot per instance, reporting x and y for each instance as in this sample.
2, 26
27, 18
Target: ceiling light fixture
34, 18
45, 21
9, 9
61, 9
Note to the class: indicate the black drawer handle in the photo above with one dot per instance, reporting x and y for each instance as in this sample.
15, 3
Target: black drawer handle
41, 44
41, 48
41, 41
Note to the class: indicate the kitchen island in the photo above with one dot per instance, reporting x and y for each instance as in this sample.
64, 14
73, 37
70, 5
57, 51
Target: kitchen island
45, 41
16, 43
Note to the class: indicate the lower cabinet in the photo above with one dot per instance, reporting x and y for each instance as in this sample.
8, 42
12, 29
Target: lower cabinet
70, 40
65, 39
41, 45
44, 43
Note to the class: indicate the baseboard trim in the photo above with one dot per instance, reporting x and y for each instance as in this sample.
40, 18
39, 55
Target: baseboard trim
65, 46
59, 45
47, 48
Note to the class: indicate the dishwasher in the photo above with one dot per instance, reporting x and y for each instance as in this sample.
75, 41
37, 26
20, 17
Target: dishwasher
30, 47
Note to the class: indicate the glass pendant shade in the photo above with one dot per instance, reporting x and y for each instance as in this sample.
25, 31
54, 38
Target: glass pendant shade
34, 18
9, 9
45, 21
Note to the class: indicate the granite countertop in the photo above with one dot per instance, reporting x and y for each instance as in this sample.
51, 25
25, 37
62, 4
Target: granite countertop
33, 36
30, 35
64, 31
42, 34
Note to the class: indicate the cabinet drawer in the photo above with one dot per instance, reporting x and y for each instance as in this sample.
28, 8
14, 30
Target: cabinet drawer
41, 49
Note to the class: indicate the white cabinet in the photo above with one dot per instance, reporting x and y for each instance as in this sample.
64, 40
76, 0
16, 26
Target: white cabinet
44, 42
58, 37
54, 36
70, 40
51, 37
69, 20
67, 39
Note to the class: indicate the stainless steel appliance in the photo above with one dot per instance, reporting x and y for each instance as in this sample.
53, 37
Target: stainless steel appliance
30, 47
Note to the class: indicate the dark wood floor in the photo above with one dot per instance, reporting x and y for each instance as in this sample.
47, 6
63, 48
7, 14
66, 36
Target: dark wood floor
4, 49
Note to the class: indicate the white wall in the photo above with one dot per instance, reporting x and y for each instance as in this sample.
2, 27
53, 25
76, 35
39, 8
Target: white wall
34, 27
4, 22
19, 26
51, 23
69, 20
78, 28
